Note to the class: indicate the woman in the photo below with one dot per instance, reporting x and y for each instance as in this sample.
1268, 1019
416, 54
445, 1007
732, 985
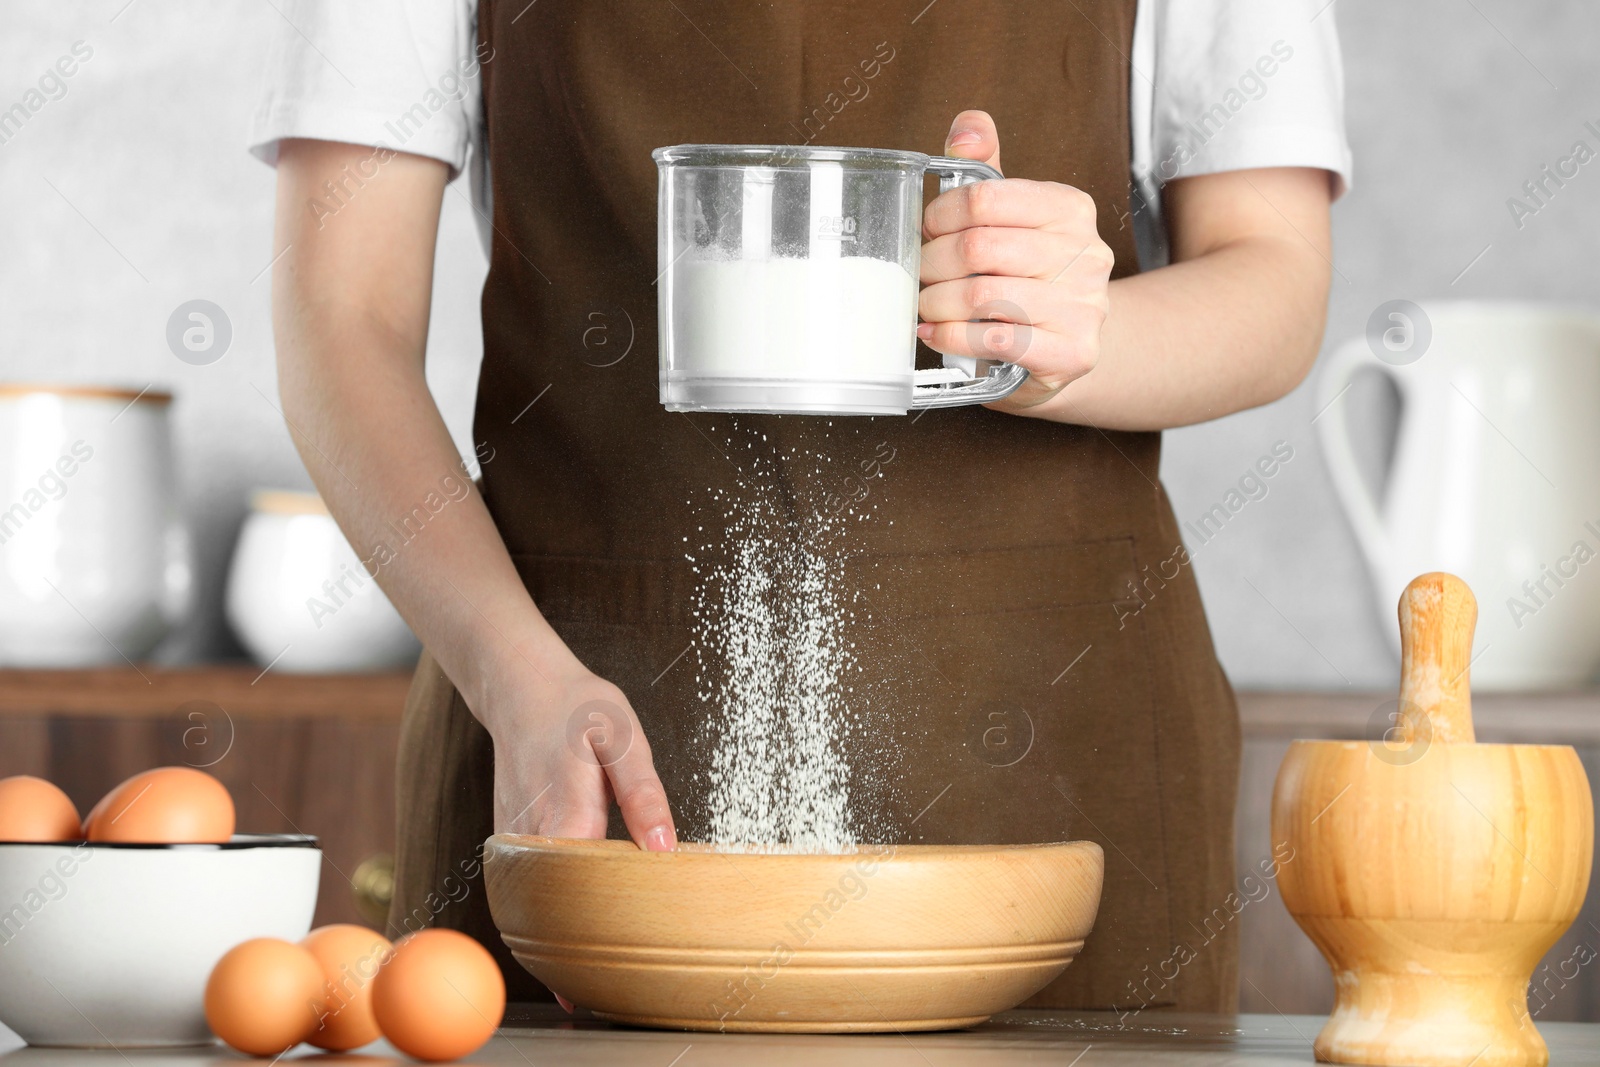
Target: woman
1020, 568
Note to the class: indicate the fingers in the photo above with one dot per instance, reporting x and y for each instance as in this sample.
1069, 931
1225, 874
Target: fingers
561, 806
573, 814
1011, 202
1051, 356
973, 136
1005, 250
1035, 324
644, 804
642, 799
988, 296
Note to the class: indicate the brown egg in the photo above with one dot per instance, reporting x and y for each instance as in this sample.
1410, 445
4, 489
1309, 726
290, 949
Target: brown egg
264, 996
439, 996
31, 809
167, 805
350, 957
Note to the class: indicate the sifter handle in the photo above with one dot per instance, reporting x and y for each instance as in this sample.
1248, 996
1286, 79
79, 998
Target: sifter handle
955, 172
963, 381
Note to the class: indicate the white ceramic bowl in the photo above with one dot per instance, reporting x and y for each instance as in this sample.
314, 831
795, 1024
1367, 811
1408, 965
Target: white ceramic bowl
109, 944
302, 600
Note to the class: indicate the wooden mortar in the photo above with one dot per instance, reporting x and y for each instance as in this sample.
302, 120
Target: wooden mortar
1433, 872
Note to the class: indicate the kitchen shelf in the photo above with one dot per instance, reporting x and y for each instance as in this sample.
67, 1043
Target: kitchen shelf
298, 753
1568, 717
1556, 718
243, 691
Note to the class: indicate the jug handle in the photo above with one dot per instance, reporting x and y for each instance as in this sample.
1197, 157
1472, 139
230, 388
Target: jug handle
958, 382
1365, 513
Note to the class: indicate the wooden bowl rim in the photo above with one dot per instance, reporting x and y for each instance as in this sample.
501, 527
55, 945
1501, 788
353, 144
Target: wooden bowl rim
617, 850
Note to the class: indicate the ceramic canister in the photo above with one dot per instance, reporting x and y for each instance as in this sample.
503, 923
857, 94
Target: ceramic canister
302, 600
94, 561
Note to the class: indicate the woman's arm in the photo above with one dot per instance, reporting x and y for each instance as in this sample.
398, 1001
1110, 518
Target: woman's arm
350, 303
1234, 322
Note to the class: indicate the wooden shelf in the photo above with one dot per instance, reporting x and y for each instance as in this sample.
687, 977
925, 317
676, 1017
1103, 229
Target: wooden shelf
243, 691
1557, 718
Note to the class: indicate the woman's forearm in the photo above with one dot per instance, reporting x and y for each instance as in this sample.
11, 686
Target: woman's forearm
1235, 322
350, 315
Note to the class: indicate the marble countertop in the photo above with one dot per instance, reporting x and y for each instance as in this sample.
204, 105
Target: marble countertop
543, 1037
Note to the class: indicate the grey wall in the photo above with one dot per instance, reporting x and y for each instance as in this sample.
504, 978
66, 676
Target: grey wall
1452, 104
147, 148
1448, 114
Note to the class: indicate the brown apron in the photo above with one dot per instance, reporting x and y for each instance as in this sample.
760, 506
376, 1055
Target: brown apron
1031, 635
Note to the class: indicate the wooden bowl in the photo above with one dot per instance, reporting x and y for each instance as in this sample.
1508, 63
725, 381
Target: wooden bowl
906, 937
1433, 886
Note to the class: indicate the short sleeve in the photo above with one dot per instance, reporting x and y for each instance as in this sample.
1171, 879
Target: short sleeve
1238, 84
403, 74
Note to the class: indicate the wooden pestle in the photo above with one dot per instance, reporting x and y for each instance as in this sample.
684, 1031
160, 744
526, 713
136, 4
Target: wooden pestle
1437, 616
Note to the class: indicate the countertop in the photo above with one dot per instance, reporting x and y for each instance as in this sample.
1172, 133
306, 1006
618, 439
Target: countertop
543, 1037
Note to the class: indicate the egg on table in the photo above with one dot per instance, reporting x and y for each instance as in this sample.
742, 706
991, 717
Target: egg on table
32, 809
350, 957
439, 996
265, 996
166, 805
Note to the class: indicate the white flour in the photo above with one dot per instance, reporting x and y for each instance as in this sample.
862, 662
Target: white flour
776, 674
845, 319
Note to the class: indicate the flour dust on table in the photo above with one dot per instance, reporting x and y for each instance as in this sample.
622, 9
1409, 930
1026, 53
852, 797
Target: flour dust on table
778, 675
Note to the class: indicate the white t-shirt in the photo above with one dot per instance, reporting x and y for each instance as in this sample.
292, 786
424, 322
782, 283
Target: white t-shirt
1216, 85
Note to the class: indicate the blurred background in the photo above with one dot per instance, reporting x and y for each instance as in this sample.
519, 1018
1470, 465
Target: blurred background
132, 194
1472, 361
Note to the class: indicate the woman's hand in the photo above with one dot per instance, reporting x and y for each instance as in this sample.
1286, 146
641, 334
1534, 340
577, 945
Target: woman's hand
566, 744
1025, 254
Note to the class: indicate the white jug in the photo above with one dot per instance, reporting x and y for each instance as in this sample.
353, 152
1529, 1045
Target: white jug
1495, 475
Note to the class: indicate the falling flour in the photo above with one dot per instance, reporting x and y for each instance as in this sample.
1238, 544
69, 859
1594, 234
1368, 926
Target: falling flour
777, 674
